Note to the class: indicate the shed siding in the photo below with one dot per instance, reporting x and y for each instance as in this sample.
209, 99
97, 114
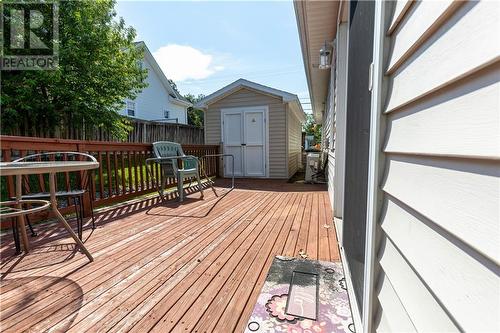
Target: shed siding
439, 230
294, 144
277, 125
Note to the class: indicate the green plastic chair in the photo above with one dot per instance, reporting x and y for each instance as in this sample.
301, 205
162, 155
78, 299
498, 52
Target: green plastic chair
168, 154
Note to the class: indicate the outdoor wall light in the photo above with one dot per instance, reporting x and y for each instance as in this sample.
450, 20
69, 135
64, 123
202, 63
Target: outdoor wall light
324, 56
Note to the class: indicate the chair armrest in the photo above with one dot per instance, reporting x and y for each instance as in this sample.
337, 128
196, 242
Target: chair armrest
170, 158
190, 157
183, 158
161, 159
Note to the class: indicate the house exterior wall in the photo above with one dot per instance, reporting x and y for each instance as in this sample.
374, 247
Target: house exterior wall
154, 99
334, 122
294, 144
328, 135
439, 227
337, 169
278, 167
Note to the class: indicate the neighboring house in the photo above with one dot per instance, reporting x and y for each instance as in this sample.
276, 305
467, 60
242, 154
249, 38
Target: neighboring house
259, 125
158, 101
411, 116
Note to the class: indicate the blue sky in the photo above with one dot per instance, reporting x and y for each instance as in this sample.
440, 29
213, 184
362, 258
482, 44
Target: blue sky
204, 46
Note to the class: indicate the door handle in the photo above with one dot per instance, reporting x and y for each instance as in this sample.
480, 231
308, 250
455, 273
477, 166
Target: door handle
243, 144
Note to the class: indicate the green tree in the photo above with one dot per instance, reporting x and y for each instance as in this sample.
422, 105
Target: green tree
312, 128
195, 115
99, 67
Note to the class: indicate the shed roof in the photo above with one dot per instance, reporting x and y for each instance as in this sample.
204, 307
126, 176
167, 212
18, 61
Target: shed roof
287, 97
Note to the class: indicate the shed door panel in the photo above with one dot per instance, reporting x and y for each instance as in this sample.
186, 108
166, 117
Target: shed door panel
233, 140
254, 143
244, 132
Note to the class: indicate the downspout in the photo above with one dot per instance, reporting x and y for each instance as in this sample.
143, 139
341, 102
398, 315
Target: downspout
376, 76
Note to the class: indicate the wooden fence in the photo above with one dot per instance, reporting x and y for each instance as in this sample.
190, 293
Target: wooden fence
143, 132
150, 131
121, 175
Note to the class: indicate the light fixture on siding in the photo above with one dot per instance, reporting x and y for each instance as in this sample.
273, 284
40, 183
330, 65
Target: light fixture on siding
325, 56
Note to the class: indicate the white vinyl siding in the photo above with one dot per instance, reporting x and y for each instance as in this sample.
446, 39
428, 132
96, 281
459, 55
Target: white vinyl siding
337, 156
439, 230
328, 135
464, 43
294, 144
153, 100
278, 164
400, 9
391, 303
418, 129
416, 302
328, 122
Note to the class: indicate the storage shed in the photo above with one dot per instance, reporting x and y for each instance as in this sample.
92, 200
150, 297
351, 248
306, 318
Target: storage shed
259, 125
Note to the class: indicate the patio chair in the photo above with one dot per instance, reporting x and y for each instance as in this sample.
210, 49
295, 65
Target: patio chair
168, 155
76, 195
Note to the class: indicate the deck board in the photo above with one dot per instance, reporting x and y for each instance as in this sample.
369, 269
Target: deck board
192, 267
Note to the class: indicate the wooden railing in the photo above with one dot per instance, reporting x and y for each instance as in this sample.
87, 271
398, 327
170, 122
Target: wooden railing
122, 172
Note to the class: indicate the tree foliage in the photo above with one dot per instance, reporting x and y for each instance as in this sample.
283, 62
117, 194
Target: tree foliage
98, 69
312, 128
195, 115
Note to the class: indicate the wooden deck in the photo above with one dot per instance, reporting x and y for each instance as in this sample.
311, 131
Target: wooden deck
195, 267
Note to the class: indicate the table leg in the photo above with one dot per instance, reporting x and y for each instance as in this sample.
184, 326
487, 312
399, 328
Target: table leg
21, 222
53, 204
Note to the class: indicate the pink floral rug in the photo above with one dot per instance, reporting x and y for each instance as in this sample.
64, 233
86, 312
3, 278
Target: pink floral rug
302, 296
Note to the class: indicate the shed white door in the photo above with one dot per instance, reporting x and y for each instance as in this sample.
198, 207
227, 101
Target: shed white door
244, 136
254, 151
233, 142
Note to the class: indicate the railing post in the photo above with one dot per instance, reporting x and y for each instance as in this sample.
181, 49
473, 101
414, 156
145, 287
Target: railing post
218, 171
10, 180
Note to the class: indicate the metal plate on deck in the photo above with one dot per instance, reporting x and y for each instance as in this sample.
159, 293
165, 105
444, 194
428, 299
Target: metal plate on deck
302, 296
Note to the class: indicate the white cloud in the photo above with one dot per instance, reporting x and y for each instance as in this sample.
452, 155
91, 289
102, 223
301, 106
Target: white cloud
182, 62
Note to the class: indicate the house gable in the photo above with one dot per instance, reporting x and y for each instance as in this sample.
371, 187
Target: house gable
158, 101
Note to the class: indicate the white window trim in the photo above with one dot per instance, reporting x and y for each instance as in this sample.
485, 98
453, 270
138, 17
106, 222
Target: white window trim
134, 108
373, 206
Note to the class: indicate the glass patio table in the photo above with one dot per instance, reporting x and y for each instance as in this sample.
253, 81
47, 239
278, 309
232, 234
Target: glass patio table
19, 169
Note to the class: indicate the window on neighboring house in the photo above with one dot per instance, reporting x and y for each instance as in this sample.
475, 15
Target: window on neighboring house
166, 114
131, 109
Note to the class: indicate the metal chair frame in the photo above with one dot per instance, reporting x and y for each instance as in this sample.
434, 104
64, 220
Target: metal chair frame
211, 182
